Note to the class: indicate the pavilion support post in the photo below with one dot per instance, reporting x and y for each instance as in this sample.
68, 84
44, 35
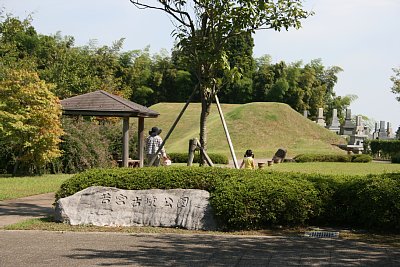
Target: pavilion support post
141, 141
125, 142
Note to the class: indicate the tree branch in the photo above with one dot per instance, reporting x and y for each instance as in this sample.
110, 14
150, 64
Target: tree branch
179, 15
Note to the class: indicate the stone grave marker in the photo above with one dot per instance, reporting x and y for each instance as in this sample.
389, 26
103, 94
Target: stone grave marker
348, 126
320, 118
382, 131
335, 124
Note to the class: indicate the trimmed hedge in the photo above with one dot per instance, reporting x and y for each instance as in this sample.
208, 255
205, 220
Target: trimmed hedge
332, 158
259, 199
259, 202
361, 158
384, 148
183, 158
396, 158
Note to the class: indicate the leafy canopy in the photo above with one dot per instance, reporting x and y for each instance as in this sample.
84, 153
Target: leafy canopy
30, 116
204, 27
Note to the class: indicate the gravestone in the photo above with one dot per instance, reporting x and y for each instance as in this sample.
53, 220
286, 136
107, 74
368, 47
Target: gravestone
335, 125
305, 113
348, 126
382, 134
279, 156
320, 118
108, 206
375, 134
360, 129
356, 142
389, 131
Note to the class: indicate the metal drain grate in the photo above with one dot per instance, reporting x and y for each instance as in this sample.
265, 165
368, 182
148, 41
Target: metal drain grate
322, 234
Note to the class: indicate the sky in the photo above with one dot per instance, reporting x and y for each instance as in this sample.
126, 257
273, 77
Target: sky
360, 36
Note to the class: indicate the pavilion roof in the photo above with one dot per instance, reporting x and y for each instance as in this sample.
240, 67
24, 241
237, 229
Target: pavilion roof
102, 103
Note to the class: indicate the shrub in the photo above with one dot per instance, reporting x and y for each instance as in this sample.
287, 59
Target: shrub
248, 199
384, 148
242, 199
83, 147
322, 158
371, 202
259, 202
396, 158
361, 158
183, 158
332, 158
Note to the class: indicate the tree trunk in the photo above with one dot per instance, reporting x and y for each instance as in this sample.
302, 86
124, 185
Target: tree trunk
206, 101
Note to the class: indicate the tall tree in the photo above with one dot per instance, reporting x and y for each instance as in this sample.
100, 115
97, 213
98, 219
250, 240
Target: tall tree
263, 78
204, 28
240, 56
30, 116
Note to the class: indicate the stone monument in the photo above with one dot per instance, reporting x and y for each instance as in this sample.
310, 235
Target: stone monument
375, 134
320, 118
335, 125
382, 134
108, 206
347, 128
389, 131
356, 138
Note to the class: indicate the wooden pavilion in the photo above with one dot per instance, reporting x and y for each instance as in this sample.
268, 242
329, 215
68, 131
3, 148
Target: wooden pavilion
101, 103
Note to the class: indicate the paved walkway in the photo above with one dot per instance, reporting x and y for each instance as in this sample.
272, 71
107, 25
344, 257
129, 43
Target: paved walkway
42, 248
16, 210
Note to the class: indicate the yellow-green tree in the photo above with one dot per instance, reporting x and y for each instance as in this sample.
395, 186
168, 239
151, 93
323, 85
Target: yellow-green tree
29, 120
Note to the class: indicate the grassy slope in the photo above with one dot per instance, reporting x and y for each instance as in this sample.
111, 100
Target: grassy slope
262, 127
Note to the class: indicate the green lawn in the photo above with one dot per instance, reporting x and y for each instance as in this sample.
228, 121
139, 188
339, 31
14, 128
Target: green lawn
345, 168
15, 187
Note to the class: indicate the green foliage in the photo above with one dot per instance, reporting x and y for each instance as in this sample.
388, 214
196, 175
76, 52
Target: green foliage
396, 158
83, 147
364, 158
30, 116
148, 79
322, 158
146, 178
90, 144
204, 31
257, 201
384, 148
333, 158
183, 158
247, 199
370, 202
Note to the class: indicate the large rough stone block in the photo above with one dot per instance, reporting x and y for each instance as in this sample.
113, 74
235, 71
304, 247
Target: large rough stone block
108, 206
